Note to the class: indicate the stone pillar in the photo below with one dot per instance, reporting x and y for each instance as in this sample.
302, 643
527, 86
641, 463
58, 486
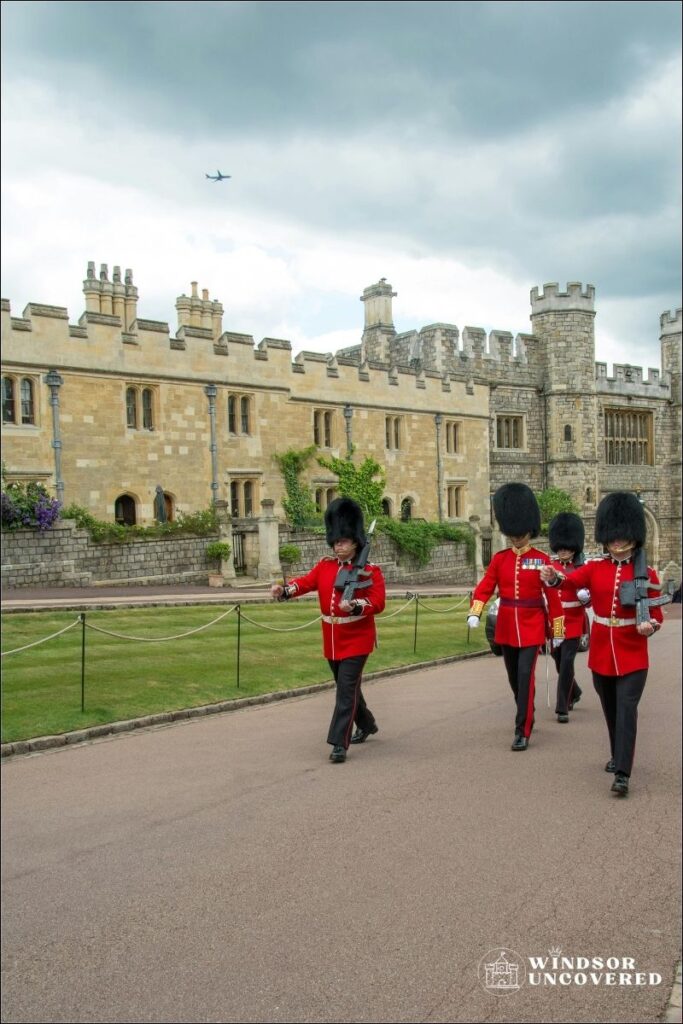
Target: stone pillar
225, 534
269, 543
91, 290
478, 558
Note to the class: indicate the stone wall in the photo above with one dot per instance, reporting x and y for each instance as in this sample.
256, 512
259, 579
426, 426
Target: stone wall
66, 557
450, 562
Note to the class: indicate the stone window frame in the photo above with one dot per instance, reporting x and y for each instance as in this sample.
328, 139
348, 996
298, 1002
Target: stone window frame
141, 402
629, 436
324, 428
393, 433
408, 504
506, 422
244, 493
453, 435
240, 414
455, 499
324, 495
18, 417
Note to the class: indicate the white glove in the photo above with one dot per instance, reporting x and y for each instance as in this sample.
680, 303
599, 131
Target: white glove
557, 641
583, 595
473, 621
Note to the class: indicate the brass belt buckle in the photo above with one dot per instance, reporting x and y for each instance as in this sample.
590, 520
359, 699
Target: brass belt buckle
614, 621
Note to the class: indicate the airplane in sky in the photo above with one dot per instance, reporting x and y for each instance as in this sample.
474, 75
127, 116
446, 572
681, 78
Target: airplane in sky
218, 176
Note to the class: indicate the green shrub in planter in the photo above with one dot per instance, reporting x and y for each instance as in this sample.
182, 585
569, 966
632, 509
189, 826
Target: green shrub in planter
289, 554
218, 550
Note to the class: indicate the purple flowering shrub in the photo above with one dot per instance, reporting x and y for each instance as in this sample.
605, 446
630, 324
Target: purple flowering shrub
28, 506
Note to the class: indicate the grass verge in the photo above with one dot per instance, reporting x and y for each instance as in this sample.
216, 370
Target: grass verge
41, 687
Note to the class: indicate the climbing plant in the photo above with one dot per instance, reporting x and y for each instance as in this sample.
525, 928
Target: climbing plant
298, 505
364, 483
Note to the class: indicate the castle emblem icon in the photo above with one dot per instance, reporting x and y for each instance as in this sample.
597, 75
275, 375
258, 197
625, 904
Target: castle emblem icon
501, 971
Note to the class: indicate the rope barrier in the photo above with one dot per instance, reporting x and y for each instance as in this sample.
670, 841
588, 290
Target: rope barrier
159, 639
384, 618
442, 611
278, 629
43, 641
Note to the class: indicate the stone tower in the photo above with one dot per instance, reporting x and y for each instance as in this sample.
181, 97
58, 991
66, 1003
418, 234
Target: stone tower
563, 321
379, 327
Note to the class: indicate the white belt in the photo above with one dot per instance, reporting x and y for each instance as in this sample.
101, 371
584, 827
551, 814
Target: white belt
572, 604
613, 622
339, 620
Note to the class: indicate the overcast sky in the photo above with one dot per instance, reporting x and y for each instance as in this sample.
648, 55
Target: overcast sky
464, 151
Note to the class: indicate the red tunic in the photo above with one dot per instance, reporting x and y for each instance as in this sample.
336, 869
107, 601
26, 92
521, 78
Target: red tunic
575, 618
522, 619
614, 650
345, 636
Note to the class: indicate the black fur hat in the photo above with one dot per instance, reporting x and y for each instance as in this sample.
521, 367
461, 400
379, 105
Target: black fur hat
516, 510
344, 519
566, 531
620, 516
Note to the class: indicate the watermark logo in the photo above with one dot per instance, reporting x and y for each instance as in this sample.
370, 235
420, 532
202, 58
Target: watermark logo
502, 971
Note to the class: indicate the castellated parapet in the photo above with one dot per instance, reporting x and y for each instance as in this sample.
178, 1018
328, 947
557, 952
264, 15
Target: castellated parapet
513, 406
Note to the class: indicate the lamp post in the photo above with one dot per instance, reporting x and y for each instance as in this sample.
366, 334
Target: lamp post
211, 391
438, 420
54, 382
348, 414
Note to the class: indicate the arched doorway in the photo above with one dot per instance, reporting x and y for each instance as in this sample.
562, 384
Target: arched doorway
124, 510
386, 507
406, 509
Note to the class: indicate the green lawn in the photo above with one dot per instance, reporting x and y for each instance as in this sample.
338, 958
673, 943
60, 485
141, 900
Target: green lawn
41, 687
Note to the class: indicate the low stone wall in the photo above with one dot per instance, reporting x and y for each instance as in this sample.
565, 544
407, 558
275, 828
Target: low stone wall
450, 562
66, 557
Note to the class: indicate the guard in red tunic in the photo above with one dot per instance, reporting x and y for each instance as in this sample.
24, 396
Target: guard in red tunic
566, 537
618, 656
524, 621
349, 633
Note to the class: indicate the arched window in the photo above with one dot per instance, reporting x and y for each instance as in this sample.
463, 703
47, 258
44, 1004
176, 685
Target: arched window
147, 409
567, 432
124, 510
386, 507
8, 408
131, 408
27, 413
248, 498
235, 499
169, 505
244, 415
406, 509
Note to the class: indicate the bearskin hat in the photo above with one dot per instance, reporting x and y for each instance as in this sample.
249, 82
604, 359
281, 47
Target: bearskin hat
344, 519
516, 510
566, 531
620, 516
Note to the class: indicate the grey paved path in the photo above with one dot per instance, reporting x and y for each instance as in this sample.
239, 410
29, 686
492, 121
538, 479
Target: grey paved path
223, 870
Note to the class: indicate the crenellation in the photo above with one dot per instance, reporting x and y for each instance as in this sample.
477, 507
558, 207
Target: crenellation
19, 324
5, 306
546, 381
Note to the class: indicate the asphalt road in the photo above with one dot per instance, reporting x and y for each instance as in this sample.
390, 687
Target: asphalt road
222, 869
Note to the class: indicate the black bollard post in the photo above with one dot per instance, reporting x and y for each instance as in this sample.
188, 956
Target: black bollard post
239, 632
82, 662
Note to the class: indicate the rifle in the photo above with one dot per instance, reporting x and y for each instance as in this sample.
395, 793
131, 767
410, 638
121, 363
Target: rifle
349, 580
634, 592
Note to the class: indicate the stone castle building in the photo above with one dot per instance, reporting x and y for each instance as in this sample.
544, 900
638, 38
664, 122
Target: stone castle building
106, 410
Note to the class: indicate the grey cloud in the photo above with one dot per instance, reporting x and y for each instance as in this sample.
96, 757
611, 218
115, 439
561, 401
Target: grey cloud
467, 70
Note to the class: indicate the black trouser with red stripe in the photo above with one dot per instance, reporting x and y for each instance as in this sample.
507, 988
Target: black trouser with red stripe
520, 663
350, 704
619, 696
567, 687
